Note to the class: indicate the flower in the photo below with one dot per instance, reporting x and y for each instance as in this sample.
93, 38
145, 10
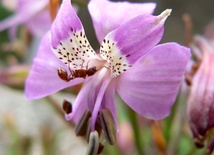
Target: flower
201, 99
36, 18
145, 75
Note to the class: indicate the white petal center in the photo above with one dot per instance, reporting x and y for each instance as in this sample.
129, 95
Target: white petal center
75, 51
117, 62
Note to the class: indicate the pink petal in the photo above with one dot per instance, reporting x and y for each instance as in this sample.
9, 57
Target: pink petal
25, 12
108, 101
137, 36
40, 24
68, 39
23, 5
107, 15
11, 21
99, 98
65, 23
151, 85
43, 79
81, 103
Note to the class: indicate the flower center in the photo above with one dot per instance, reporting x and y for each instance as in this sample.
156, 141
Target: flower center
82, 61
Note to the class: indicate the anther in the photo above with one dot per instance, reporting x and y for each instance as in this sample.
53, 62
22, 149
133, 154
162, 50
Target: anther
63, 74
88, 130
108, 126
100, 149
81, 127
67, 106
93, 144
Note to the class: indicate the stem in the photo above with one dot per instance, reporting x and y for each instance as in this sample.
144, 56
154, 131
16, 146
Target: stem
80, 2
177, 124
134, 122
158, 137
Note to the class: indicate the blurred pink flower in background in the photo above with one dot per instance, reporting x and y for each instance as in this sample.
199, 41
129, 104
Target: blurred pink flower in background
209, 32
201, 99
125, 138
34, 14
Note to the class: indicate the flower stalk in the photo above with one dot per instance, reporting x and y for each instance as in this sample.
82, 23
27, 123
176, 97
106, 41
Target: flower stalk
133, 117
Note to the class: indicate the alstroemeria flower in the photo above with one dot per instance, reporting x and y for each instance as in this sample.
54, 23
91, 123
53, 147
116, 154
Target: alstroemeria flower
33, 13
145, 75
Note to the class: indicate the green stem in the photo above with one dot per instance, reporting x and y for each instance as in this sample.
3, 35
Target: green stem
134, 122
80, 2
176, 125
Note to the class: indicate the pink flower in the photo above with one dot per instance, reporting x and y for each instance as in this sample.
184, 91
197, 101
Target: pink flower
145, 75
32, 13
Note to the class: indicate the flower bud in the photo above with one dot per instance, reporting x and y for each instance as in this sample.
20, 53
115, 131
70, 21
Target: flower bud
201, 100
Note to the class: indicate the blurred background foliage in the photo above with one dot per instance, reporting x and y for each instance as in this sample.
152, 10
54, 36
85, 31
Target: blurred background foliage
38, 128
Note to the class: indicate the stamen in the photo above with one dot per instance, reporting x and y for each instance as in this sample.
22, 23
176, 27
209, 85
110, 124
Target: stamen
108, 125
67, 106
98, 128
88, 131
100, 149
93, 144
81, 127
